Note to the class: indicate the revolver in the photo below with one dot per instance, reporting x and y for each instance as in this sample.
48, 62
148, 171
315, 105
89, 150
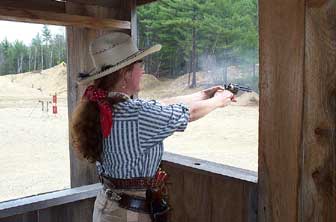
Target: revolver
234, 88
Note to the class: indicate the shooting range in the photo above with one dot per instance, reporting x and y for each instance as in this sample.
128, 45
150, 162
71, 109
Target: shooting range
296, 179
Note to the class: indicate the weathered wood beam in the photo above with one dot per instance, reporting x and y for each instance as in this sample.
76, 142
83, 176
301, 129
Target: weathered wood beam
282, 41
297, 137
41, 5
318, 185
35, 16
142, 2
108, 3
199, 195
42, 201
104, 3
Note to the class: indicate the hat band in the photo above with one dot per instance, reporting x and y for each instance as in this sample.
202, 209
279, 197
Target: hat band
105, 67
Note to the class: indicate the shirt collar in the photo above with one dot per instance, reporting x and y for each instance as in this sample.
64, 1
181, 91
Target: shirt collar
124, 95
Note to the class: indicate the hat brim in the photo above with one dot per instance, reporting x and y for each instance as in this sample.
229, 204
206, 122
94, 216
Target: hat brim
96, 74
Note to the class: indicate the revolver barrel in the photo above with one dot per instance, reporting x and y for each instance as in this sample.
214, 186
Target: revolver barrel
235, 88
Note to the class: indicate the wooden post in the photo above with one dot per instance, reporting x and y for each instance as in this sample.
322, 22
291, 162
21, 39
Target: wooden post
134, 18
82, 173
318, 185
297, 155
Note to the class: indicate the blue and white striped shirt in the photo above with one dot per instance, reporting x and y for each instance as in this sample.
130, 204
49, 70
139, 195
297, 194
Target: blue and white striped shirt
135, 146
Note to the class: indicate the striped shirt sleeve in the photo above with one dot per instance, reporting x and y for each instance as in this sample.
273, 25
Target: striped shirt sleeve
157, 122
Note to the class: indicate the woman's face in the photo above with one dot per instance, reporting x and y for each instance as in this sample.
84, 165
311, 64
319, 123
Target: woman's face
135, 78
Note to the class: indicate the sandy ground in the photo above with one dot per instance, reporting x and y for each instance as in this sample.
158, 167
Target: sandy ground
228, 136
34, 154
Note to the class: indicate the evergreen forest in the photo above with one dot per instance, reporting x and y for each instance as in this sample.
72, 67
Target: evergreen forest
200, 35
44, 51
196, 35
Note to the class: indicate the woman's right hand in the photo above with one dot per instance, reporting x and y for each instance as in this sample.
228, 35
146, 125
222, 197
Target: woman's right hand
224, 97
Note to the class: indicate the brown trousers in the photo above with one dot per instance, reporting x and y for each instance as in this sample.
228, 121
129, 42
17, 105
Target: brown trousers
107, 210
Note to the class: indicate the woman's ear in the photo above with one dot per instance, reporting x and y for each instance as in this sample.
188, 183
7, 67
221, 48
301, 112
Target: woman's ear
128, 75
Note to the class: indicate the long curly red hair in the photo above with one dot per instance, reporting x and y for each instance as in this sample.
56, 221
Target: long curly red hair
85, 131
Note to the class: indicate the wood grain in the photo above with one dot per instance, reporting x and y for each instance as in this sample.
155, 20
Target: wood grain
282, 35
142, 2
26, 217
35, 16
72, 212
196, 195
318, 198
41, 5
176, 192
48, 200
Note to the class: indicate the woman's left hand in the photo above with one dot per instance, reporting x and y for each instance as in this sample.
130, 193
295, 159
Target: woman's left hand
210, 92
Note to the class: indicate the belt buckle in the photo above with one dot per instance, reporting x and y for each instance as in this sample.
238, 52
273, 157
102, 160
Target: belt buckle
112, 195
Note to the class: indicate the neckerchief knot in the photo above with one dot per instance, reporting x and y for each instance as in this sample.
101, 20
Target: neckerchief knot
99, 96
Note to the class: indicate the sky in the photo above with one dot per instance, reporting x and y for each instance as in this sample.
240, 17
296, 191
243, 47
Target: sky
25, 31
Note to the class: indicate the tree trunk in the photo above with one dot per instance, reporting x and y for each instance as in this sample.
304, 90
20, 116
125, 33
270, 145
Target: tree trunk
41, 57
254, 70
21, 63
17, 65
59, 51
51, 57
193, 84
193, 56
190, 70
225, 77
156, 74
29, 58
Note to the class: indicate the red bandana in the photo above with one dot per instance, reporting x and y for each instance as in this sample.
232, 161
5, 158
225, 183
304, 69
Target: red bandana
98, 95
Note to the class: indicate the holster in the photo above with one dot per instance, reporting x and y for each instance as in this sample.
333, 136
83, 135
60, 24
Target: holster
158, 206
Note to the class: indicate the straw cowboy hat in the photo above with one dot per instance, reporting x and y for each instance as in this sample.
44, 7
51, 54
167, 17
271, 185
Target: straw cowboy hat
112, 52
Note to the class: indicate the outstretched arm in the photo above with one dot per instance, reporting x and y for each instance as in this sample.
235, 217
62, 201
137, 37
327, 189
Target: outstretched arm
192, 98
199, 109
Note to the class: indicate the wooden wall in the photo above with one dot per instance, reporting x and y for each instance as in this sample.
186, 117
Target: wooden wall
72, 212
198, 195
297, 155
202, 193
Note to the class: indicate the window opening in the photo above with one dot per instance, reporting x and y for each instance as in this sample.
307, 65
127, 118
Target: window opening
34, 153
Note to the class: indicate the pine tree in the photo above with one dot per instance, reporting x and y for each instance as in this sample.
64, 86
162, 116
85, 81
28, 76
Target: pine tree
224, 32
36, 45
46, 36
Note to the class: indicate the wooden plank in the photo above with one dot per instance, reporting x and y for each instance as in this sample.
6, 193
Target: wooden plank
34, 16
72, 212
24, 205
318, 197
104, 3
134, 18
251, 201
282, 35
206, 167
26, 217
142, 2
126, 13
232, 200
175, 192
41, 5
197, 204
199, 196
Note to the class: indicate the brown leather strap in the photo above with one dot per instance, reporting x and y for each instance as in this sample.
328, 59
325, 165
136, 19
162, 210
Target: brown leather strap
135, 183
